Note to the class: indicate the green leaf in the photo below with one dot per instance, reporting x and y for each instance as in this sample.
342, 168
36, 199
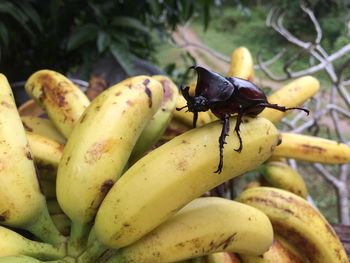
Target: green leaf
17, 14
155, 7
82, 35
103, 41
4, 36
123, 57
54, 10
129, 22
31, 13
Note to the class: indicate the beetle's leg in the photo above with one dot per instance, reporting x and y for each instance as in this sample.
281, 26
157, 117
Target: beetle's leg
281, 108
178, 109
195, 117
238, 124
224, 132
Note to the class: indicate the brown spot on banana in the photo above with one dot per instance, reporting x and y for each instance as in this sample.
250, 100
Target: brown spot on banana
106, 186
26, 127
312, 148
168, 92
95, 152
148, 92
296, 238
6, 104
51, 90
4, 216
130, 103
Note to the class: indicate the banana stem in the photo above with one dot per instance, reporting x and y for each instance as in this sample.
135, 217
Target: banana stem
92, 253
44, 228
78, 238
118, 258
44, 251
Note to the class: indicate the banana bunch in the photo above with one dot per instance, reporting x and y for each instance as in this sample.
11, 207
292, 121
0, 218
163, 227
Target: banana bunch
299, 222
107, 192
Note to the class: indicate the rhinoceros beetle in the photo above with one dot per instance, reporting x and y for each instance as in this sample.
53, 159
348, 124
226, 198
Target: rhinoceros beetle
225, 96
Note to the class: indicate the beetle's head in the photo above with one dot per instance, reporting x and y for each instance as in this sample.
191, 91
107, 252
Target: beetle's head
195, 104
200, 103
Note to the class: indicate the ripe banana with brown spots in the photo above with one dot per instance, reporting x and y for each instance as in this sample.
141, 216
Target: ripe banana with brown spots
60, 98
204, 226
312, 149
295, 219
22, 204
99, 148
169, 177
291, 95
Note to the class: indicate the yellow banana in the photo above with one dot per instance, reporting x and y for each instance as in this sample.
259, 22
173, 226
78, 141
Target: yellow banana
22, 204
312, 149
281, 175
12, 244
100, 145
186, 117
206, 225
277, 253
42, 127
293, 94
295, 219
47, 154
242, 65
159, 122
170, 176
222, 257
62, 100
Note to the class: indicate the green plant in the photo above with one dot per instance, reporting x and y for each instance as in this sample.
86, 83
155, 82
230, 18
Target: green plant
65, 35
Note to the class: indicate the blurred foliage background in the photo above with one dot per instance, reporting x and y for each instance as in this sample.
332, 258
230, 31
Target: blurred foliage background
70, 35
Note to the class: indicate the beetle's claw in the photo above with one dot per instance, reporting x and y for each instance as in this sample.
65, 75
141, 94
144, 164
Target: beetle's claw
239, 149
218, 171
